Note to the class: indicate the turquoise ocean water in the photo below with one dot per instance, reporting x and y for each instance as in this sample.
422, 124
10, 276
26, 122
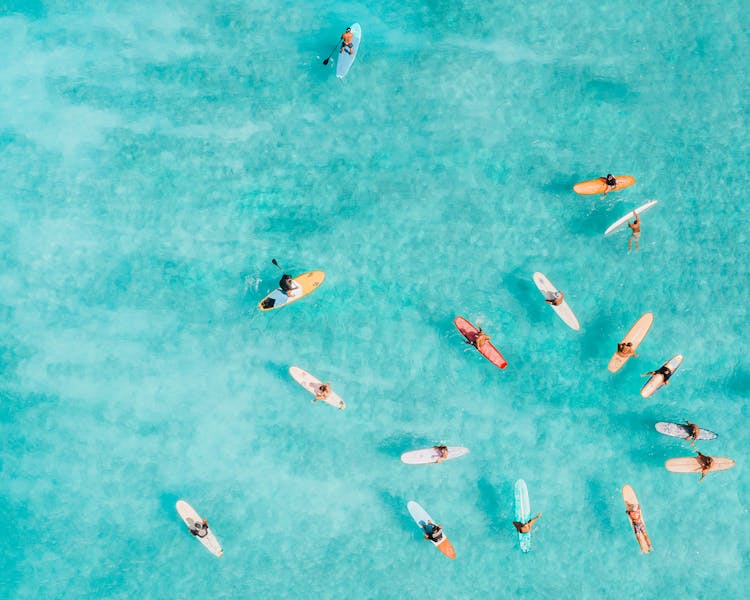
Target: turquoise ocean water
154, 157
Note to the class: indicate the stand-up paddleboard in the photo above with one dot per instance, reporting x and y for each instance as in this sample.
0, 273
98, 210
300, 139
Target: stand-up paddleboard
683, 431
489, 351
191, 517
523, 512
430, 455
421, 518
625, 219
656, 382
630, 499
690, 464
635, 336
312, 384
599, 185
345, 60
563, 310
306, 283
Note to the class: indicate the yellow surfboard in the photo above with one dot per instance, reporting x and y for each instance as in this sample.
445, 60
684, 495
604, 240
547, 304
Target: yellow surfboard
634, 336
306, 283
599, 185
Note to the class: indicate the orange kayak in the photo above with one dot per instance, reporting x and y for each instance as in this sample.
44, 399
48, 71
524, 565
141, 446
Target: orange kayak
599, 185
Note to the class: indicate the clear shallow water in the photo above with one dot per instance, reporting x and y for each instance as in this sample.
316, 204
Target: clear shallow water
153, 159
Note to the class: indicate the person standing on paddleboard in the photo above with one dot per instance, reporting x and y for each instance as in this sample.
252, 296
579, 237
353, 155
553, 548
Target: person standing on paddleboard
635, 226
346, 41
526, 527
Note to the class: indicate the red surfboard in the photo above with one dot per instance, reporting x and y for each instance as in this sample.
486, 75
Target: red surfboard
487, 350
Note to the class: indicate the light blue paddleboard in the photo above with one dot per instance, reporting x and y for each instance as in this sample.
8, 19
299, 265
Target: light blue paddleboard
523, 512
345, 60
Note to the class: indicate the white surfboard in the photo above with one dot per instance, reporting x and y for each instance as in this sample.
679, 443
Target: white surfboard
191, 517
563, 310
312, 384
679, 430
656, 382
345, 60
621, 221
430, 455
523, 512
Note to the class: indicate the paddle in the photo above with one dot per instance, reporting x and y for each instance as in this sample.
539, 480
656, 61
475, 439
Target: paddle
325, 62
273, 260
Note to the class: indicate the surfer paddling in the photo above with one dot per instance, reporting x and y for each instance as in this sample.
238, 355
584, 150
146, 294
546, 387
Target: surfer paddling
639, 528
695, 431
556, 300
526, 527
705, 462
442, 451
635, 226
346, 41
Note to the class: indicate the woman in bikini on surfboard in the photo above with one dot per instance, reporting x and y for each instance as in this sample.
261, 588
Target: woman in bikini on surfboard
634, 512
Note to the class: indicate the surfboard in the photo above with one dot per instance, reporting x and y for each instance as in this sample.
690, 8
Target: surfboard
626, 218
630, 499
307, 282
430, 455
690, 464
190, 516
656, 382
563, 310
635, 336
683, 431
599, 185
421, 518
489, 351
523, 512
346, 60
312, 384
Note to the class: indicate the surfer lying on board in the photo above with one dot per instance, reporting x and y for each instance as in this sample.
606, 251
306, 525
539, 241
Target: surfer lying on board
346, 41
636, 235
626, 349
634, 512
695, 431
443, 450
323, 390
200, 529
435, 533
556, 300
664, 371
526, 527
705, 462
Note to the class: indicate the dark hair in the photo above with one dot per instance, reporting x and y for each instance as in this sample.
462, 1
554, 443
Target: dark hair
348, 29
